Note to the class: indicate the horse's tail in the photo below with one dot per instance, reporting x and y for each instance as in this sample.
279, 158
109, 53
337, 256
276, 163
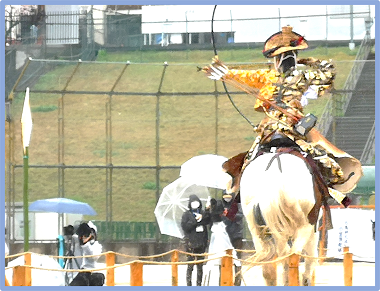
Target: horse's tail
265, 233
282, 201
267, 250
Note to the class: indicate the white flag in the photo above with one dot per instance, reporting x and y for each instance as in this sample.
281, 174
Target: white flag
26, 122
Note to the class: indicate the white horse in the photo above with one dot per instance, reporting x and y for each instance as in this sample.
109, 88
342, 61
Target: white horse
279, 193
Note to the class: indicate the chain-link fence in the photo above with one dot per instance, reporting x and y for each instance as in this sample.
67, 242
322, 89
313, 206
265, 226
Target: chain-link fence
116, 139
114, 134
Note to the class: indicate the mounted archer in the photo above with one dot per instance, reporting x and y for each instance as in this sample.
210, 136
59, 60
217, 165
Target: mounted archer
281, 94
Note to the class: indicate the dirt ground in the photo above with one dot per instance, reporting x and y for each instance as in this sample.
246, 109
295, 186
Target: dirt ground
328, 274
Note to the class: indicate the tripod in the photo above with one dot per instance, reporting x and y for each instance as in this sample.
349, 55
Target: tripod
71, 263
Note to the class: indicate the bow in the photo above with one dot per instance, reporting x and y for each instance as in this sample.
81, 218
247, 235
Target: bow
248, 90
224, 84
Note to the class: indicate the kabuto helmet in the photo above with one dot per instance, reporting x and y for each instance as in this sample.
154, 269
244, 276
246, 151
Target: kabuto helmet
283, 46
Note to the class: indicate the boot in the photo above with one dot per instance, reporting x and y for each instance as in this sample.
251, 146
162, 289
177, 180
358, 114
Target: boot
189, 275
237, 276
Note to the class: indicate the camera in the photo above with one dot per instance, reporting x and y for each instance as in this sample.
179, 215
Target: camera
83, 230
68, 230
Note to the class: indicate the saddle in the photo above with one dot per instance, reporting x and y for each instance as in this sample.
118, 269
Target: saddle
235, 167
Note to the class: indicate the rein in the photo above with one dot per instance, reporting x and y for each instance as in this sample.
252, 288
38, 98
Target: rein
276, 156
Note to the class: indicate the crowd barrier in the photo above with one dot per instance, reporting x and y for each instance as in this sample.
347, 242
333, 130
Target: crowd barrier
22, 274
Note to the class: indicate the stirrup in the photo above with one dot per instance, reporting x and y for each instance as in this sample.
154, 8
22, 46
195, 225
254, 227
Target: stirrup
340, 197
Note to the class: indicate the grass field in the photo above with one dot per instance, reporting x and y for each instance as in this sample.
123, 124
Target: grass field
187, 123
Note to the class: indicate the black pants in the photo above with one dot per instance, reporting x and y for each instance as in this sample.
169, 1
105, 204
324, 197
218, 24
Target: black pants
190, 267
238, 245
88, 279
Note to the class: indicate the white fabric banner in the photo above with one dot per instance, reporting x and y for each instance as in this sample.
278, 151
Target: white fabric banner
353, 229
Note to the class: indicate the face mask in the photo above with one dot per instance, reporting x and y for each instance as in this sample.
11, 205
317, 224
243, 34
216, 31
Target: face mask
227, 199
194, 204
279, 59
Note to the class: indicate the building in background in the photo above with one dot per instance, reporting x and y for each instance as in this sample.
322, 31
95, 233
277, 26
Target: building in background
190, 24
146, 25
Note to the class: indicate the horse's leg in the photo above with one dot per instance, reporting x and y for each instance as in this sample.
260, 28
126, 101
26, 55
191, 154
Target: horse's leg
283, 249
262, 245
311, 251
270, 274
305, 242
267, 250
269, 270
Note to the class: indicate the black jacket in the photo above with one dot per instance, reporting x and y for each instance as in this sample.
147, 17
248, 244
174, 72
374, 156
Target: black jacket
234, 219
196, 235
216, 210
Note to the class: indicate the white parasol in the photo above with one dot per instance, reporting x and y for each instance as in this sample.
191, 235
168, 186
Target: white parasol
173, 202
206, 170
41, 275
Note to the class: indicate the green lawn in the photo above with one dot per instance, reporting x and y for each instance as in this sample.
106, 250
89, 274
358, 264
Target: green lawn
187, 123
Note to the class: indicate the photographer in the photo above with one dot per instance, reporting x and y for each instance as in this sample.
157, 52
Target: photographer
91, 249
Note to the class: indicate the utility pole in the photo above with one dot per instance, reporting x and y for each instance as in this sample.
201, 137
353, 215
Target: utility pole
351, 44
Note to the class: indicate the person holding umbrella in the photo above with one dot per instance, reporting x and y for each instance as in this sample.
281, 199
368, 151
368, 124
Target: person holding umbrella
194, 224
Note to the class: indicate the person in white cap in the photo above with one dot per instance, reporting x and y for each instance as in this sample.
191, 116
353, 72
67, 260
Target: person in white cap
91, 250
